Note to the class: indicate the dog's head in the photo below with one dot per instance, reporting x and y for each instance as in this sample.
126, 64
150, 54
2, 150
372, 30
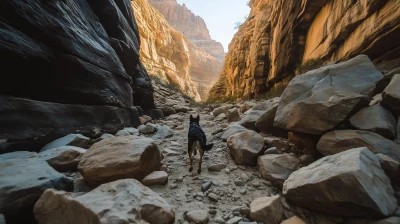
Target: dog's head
194, 120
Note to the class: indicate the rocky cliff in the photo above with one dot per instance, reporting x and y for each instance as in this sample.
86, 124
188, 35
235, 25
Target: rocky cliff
167, 53
280, 36
69, 66
191, 25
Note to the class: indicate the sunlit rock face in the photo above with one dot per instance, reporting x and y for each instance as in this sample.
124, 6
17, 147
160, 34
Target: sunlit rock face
191, 25
278, 36
167, 53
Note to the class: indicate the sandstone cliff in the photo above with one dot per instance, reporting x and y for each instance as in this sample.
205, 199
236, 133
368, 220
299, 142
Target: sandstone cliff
168, 54
278, 36
191, 25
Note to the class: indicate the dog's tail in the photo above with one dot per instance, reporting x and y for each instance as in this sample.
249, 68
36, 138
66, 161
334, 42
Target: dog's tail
208, 147
204, 146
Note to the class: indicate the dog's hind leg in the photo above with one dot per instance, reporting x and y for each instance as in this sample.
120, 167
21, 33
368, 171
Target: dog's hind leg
190, 150
201, 152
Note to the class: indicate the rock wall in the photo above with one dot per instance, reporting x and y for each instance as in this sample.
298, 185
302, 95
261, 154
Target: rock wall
64, 61
168, 54
278, 36
191, 25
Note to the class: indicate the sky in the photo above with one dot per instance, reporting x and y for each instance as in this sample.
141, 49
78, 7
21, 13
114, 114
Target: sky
220, 16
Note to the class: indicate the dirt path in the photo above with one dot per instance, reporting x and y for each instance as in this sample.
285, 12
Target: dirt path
183, 191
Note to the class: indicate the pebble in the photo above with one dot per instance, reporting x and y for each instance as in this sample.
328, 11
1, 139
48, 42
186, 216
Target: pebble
245, 178
212, 211
216, 167
163, 168
173, 186
206, 186
239, 182
227, 171
219, 220
213, 197
180, 179
272, 150
234, 220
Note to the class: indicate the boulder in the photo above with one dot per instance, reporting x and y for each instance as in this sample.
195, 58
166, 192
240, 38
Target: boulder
245, 147
162, 132
24, 176
250, 118
350, 183
293, 220
168, 111
156, 178
147, 129
391, 168
180, 108
77, 140
327, 94
265, 123
391, 95
122, 201
267, 210
375, 119
198, 217
63, 158
339, 141
232, 129
233, 115
119, 158
220, 110
277, 168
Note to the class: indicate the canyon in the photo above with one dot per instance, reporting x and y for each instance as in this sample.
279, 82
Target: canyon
280, 37
181, 53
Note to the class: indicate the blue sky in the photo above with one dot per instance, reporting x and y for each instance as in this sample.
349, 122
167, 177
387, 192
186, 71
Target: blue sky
220, 16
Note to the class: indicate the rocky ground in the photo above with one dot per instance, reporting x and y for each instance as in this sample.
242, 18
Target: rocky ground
283, 160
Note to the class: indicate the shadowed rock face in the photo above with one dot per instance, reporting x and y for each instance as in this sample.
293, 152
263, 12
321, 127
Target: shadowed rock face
280, 35
69, 53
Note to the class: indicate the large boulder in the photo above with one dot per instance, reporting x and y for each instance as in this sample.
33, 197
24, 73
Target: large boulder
77, 140
265, 123
375, 119
267, 210
233, 115
391, 95
328, 95
339, 141
232, 129
277, 168
391, 168
122, 201
250, 118
119, 158
63, 158
245, 147
23, 178
351, 183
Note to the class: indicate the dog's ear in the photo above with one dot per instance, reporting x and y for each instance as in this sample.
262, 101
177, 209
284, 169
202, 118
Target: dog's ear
198, 118
191, 118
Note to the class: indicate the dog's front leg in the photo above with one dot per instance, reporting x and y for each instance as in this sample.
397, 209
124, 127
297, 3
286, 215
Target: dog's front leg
190, 150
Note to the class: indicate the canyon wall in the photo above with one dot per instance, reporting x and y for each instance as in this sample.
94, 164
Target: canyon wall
191, 25
69, 66
280, 36
168, 54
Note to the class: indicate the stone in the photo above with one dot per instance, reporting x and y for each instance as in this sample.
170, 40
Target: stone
232, 129
267, 209
212, 212
120, 201
278, 143
277, 168
147, 129
219, 220
339, 141
391, 168
206, 186
122, 133
360, 177
63, 158
306, 160
170, 152
244, 177
216, 167
250, 118
265, 123
243, 191
239, 182
131, 131
120, 158
198, 217
375, 119
234, 220
272, 150
391, 95
220, 110
24, 176
320, 92
77, 140
293, 220
80, 185
162, 132
106, 135
155, 178
245, 147
163, 168
153, 114
213, 197
181, 108
168, 111
305, 143
233, 115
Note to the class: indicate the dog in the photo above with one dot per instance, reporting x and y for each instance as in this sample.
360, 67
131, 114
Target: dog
196, 141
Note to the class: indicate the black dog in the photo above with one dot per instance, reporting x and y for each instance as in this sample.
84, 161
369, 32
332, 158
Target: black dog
197, 139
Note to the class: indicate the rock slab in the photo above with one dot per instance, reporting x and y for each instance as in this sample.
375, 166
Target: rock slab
267, 209
63, 158
391, 95
122, 201
77, 140
277, 168
351, 183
